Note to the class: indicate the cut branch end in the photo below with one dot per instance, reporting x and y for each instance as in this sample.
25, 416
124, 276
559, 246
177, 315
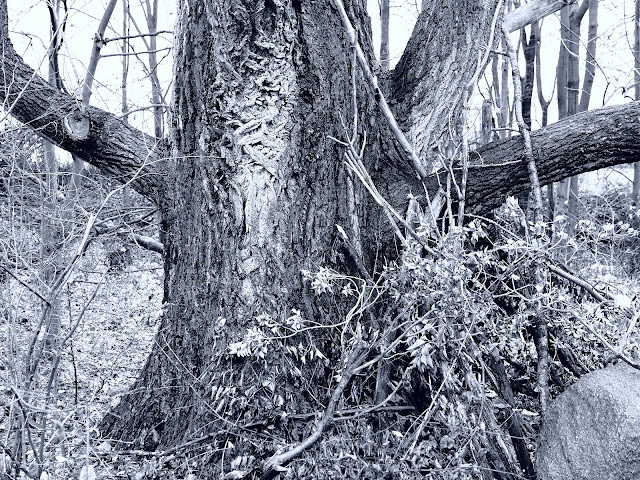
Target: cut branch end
77, 125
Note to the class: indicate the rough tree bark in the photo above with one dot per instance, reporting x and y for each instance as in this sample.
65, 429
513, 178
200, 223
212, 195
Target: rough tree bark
433, 74
251, 188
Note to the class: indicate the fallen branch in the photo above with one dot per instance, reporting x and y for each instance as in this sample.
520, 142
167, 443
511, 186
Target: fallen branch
618, 354
275, 464
601, 297
590, 289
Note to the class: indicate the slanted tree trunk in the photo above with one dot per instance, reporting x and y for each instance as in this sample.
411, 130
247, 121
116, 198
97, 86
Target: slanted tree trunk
50, 229
527, 82
500, 77
590, 64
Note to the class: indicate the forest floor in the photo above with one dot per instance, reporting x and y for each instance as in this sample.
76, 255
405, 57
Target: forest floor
99, 363
116, 329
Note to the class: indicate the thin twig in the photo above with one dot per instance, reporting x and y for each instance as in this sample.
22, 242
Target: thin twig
382, 103
128, 54
542, 340
25, 285
129, 37
147, 107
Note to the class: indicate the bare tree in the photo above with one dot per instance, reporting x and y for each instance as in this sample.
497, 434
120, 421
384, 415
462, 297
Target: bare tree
544, 105
385, 12
577, 99
87, 86
636, 79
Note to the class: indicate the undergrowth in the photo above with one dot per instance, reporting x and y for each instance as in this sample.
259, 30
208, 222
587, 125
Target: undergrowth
448, 334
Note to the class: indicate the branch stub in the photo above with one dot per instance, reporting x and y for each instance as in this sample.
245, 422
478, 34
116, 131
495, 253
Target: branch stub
77, 125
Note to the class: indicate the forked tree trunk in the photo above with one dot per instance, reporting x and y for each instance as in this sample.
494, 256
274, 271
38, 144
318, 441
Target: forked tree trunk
255, 190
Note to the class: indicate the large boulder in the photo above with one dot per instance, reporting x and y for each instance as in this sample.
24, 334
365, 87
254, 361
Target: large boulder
592, 430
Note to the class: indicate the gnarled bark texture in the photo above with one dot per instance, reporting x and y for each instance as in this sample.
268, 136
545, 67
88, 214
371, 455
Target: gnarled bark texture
255, 189
434, 74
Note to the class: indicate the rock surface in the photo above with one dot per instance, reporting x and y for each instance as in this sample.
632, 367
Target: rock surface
592, 430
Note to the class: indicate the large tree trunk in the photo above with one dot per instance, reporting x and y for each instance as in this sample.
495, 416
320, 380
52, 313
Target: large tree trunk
256, 189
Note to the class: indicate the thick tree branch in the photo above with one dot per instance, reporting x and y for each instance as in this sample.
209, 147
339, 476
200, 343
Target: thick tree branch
99, 137
531, 12
433, 76
581, 143
436, 69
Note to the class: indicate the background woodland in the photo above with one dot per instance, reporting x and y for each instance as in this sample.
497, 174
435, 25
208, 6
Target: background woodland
439, 338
